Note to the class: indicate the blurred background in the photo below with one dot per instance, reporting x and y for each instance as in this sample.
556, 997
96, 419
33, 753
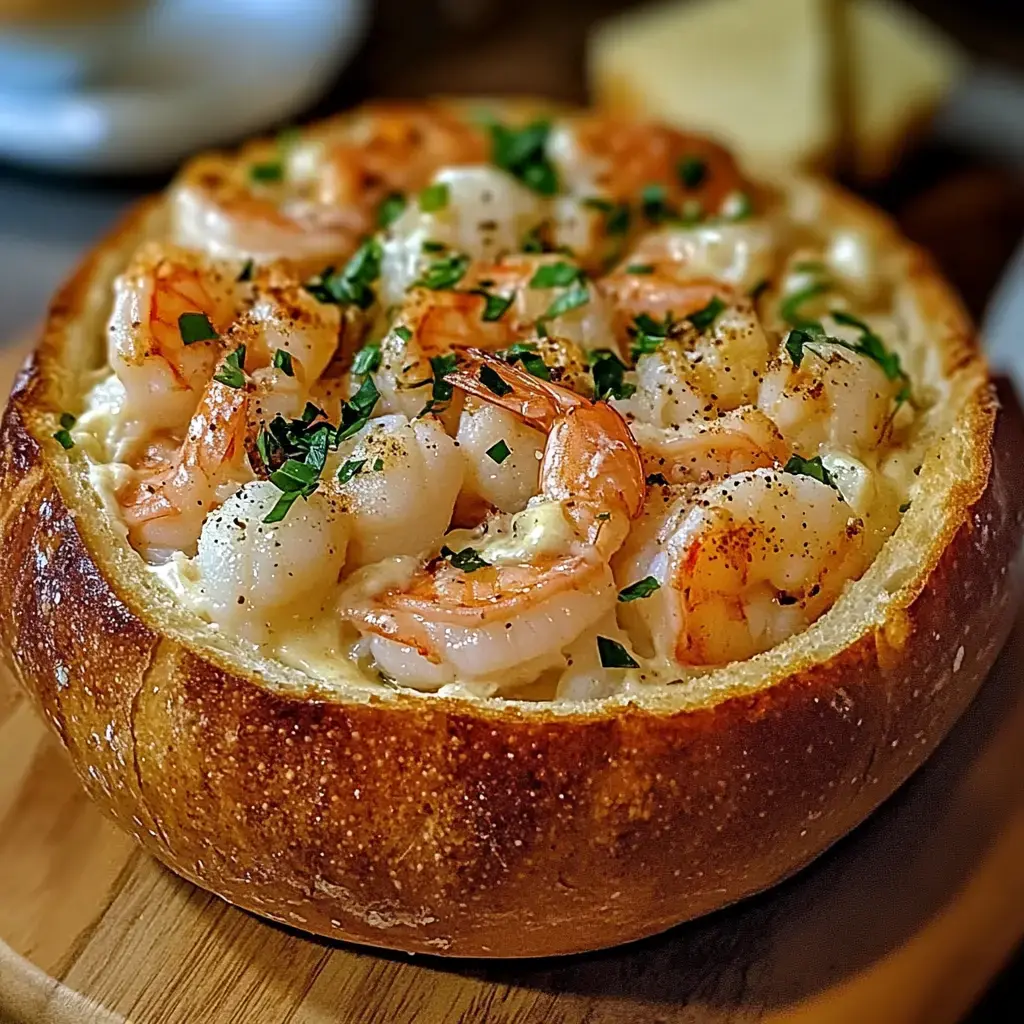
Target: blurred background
918, 106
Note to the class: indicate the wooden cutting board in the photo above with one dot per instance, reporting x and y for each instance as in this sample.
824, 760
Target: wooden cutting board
904, 921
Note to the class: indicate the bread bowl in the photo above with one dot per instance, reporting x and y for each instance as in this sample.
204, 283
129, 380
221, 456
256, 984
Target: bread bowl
470, 821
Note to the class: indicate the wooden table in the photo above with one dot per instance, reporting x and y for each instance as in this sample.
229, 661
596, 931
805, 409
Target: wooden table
907, 920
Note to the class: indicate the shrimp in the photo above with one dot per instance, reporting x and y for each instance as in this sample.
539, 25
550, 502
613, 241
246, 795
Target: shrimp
502, 458
149, 348
740, 440
540, 578
481, 212
257, 577
164, 506
218, 208
835, 399
494, 306
742, 565
600, 155
357, 160
741, 255
284, 316
696, 370
386, 473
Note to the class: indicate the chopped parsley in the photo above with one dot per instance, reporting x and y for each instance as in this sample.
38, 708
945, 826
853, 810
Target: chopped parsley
809, 467
654, 203
349, 470
434, 197
378, 465
67, 421
499, 452
648, 334
283, 362
905, 507
353, 284
441, 391
494, 382
692, 171
573, 297
871, 345
495, 306
521, 152
231, 371
613, 654
790, 308
444, 273
390, 209
617, 216
403, 332
609, 375
526, 353
367, 359
703, 318
356, 412
555, 275
195, 327
295, 480
468, 559
267, 172
639, 590
245, 274
640, 268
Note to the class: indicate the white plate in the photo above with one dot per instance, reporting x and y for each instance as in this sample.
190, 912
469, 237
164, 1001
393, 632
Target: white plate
187, 75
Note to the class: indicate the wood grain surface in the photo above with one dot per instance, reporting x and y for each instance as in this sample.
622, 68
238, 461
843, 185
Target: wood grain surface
904, 921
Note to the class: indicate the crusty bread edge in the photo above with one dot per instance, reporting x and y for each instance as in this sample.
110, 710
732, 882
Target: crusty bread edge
469, 829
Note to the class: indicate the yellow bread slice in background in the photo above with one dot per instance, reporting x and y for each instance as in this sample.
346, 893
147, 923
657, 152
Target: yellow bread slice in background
754, 73
902, 67
787, 83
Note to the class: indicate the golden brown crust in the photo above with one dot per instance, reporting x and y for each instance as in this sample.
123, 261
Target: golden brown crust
481, 829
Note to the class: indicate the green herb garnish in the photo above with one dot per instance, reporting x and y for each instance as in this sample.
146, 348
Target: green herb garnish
809, 467
572, 298
526, 353
494, 382
521, 152
390, 209
283, 362
702, 319
555, 275
495, 306
434, 197
349, 470
442, 391
790, 308
609, 375
267, 172
654, 203
640, 268
246, 272
692, 171
194, 327
356, 412
67, 421
354, 283
444, 273
613, 654
232, 369
367, 359
639, 590
468, 559
498, 452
